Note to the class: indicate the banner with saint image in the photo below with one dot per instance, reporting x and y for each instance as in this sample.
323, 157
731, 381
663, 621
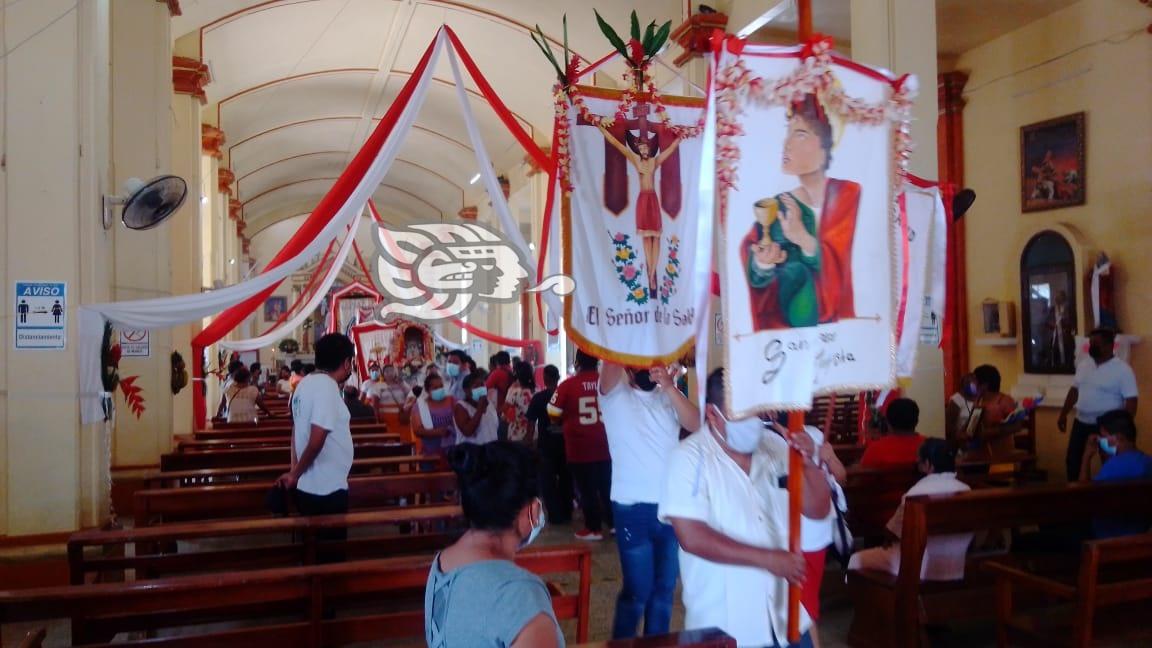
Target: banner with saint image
810, 154
631, 167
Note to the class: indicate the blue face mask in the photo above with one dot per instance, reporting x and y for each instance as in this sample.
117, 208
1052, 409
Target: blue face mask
374, 374
479, 392
452, 369
1107, 446
438, 394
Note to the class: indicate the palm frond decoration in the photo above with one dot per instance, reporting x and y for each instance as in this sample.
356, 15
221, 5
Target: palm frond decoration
642, 46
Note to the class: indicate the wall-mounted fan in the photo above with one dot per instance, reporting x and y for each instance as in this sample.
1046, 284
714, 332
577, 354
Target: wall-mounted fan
147, 204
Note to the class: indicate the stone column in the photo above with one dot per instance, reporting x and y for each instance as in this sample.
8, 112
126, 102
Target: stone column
189, 76
141, 148
900, 35
53, 169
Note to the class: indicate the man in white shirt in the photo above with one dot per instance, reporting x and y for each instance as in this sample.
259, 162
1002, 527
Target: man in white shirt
642, 415
322, 438
725, 496
945, 555
1103, 384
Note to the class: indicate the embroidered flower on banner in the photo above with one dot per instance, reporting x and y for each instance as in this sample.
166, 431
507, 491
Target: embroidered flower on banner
626, 270
671, 270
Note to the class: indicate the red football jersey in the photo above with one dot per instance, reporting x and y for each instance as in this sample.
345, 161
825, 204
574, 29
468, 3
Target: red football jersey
577, 404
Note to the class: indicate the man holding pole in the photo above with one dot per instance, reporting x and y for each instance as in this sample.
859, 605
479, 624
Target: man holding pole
725, 497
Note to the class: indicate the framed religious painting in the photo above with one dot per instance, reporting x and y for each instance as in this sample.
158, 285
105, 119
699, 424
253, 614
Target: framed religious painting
274, 308
1052, 164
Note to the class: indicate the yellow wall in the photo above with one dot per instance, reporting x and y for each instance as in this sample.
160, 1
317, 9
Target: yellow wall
1011, 84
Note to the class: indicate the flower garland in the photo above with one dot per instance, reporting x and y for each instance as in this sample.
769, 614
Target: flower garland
571, 95
736, 83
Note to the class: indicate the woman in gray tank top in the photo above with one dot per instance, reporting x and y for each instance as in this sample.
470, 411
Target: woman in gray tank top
476, 596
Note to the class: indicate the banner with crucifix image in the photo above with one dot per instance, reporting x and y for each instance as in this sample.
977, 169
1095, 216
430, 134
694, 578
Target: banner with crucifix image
631, 168
811, 150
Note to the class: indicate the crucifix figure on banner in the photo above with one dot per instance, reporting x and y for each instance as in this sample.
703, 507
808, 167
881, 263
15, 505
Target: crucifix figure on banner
638, 150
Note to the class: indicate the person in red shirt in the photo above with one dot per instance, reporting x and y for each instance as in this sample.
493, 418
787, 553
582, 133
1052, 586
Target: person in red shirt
899, 447
576, 405
498, 383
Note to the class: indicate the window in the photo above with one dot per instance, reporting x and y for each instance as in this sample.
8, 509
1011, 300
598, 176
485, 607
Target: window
1049, 304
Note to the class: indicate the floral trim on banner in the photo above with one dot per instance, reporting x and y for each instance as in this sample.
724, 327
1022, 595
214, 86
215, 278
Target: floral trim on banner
814, 76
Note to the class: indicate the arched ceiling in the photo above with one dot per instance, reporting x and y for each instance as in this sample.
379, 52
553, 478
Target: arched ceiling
297, 86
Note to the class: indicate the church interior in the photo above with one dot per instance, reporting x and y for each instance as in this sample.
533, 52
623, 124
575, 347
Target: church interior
136, 512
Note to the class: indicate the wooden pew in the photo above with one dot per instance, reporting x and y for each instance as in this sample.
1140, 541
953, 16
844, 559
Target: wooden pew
246, 500
244, 457
282, 427
267, 474
288, 604
705, 638
890, 611
284, 440
286, 541
1111, 572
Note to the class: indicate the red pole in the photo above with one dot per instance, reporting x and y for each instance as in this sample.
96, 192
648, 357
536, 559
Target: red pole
796, 419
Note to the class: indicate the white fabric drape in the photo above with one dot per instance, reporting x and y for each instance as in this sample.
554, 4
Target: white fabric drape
172, 311
499, 204
445, 342
321, 293
927, 249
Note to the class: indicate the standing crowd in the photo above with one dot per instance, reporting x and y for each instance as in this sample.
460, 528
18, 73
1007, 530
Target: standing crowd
688, 495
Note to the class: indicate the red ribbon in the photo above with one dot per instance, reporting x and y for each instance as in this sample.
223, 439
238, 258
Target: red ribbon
494, 100
336, 197
905, 264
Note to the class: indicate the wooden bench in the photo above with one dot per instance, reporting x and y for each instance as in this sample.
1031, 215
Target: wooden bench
706, 638
280, 607
891, 610
282, 542
244, 457
282, 428
191, 445
267, 474
168, 505
1111, 572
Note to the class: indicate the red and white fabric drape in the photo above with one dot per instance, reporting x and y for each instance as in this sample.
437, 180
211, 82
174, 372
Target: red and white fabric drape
335, 212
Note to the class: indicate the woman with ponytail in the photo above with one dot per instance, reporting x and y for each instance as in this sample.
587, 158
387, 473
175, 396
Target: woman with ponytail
476, 594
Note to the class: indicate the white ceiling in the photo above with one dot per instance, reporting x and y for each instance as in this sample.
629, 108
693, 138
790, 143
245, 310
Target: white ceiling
297, 85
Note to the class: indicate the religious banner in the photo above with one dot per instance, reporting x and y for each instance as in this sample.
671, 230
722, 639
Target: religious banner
925, 245
631, 165
810, 157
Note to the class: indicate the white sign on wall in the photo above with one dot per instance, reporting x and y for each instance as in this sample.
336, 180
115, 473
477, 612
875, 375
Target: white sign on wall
41, 315
135, 343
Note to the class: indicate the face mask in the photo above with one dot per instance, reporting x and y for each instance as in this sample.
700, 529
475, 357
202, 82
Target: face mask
643, 380
537, 527
374, 374
479, 392
438, 394
452, 370
970, 390
1107, 446
744, 435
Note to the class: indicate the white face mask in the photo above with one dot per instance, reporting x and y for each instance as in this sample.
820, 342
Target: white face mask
536, 528
743, 435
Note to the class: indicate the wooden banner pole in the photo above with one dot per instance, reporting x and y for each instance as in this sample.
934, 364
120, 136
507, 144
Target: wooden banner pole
796, 419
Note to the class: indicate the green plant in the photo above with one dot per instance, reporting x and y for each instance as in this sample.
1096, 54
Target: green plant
638, 51
566, 74
288, 345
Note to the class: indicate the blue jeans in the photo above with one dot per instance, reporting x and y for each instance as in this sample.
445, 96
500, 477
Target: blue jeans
649, 563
